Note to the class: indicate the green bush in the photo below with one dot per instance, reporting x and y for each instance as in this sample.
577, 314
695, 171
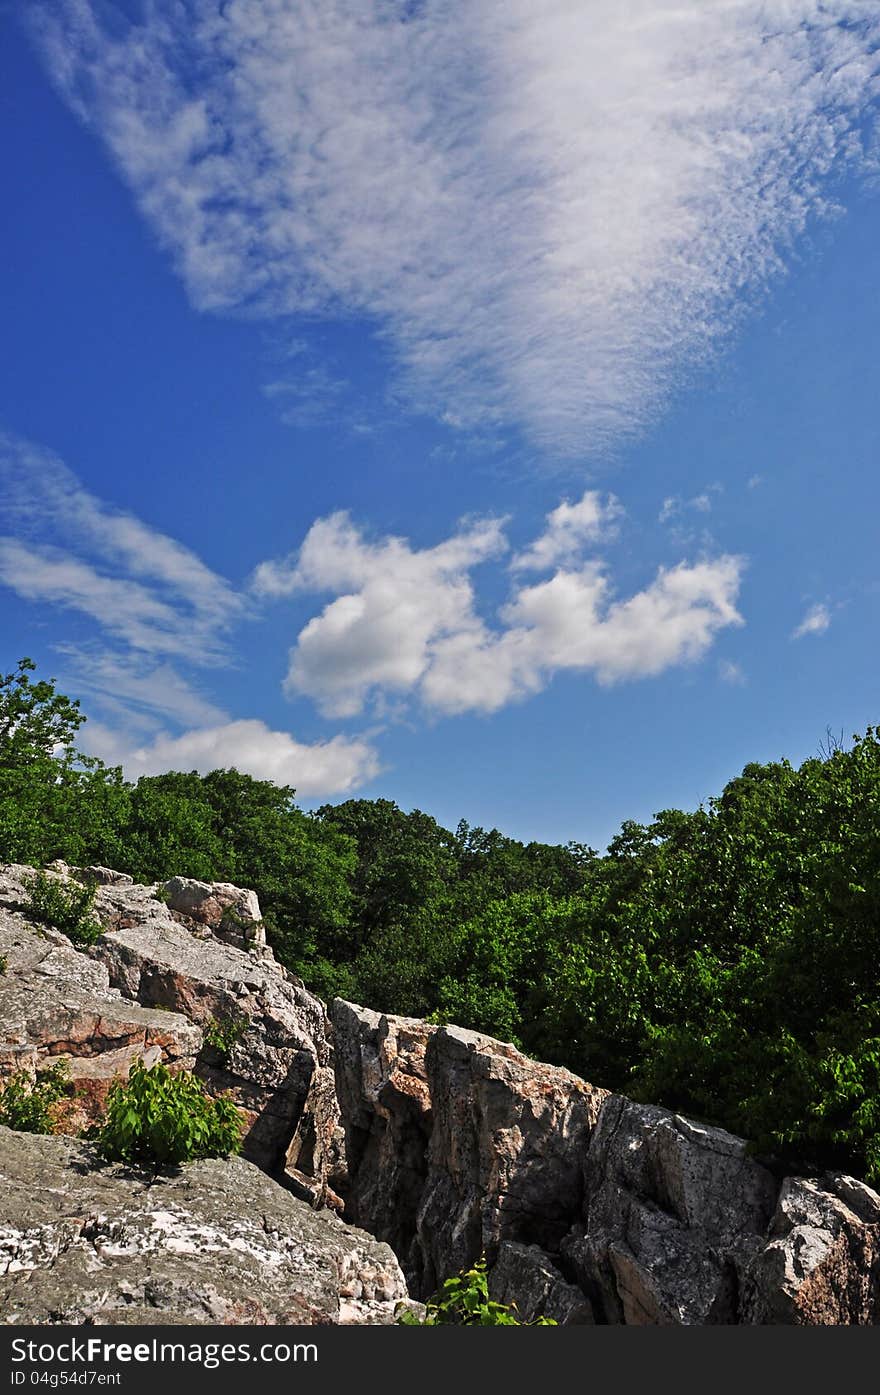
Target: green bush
65, 906
464, 1301
28, 1105
166, 1119
222, 1033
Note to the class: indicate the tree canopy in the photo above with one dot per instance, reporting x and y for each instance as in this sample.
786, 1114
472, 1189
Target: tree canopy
721, 961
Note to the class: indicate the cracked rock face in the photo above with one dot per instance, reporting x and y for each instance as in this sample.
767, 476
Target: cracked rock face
218, 1242
822, 1263
456, 1142
589, 1207
56, 1001
151, 986
673, 1213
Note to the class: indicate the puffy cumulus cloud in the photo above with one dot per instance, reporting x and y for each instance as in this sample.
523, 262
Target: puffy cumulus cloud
569, 623
550, 208
321, 768
405, 621
815, 622
396, 603
569, 528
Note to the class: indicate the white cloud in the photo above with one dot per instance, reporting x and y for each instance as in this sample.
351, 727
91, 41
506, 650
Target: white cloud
133, 684
155, 602
569, 528
405, 621
570, 623
551, 208
731, 673
322, 768
673, 505
392, 604
815, 622
141, 585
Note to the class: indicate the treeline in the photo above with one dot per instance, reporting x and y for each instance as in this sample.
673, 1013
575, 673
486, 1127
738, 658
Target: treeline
722, 962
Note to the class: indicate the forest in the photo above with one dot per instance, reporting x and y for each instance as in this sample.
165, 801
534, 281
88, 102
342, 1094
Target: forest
722, 962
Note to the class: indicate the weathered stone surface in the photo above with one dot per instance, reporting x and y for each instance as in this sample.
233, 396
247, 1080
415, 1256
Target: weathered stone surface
56, 1001
232, 912
155, 960
218, 1242
456, 1142
673, 1214
505, 1153
384, 1098
821, 1265
524, 1276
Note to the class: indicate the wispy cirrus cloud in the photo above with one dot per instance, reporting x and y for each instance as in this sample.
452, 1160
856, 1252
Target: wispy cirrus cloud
67, 548
405, 621
157, 608
551, 210
815, 622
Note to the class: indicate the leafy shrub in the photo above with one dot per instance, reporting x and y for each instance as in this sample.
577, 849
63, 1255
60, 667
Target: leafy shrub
29, 1105
66, 907
222, 1033
166, 1119
464, 1301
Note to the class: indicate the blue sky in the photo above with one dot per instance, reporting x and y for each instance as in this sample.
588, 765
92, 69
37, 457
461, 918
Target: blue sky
446, 403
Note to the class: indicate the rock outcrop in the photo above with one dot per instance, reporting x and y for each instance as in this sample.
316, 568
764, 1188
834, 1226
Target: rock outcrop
58, 1002
162, 958
589, 1207
441, 1143
673, 1214
218, 1242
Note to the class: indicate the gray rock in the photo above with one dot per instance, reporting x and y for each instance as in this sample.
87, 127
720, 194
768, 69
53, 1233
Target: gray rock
384, 1101
523, 1276
821, 1266
57, 1002
673, 1214
505, 1153
456, 1142
155, 960
219, 1242
232, 912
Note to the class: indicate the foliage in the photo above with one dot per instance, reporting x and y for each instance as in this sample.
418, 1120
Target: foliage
223, 1033
30, 1105
65, 906
164, 1119
463, 1301
721, 962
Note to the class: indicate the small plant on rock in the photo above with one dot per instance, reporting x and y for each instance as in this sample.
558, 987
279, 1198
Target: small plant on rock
222, 1033
30, 1105
65, 906
464, 1301
164, 1119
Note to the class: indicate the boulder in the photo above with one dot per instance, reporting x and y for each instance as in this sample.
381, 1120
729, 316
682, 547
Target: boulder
276, 1032
456, 1142
524, 1277
505, 1154
231, 912
57, 1002
821, 1265
673, 1214
218, 1242
385, 1105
